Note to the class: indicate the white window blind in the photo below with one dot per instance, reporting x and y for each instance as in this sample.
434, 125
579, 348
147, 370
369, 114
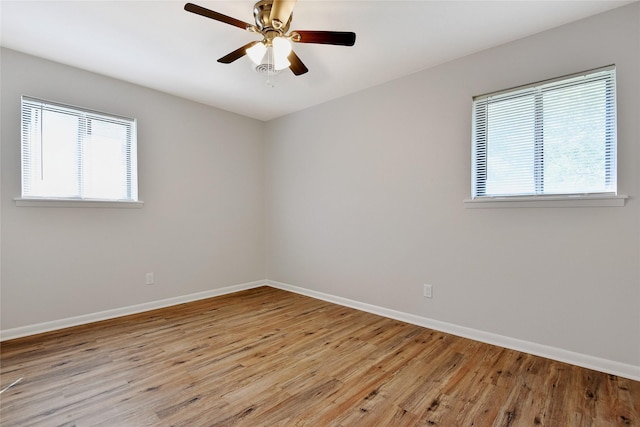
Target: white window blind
552, 138
75, 153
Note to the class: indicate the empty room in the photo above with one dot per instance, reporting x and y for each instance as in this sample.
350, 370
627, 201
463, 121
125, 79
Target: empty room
320, 213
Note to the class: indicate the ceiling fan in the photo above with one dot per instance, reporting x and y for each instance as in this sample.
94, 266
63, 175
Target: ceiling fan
274, 53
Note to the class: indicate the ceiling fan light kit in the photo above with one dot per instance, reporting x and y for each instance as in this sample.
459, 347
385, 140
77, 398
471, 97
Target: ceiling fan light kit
268, 60
275, 52
272, 21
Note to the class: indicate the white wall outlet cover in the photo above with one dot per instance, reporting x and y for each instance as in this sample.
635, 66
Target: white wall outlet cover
428, 291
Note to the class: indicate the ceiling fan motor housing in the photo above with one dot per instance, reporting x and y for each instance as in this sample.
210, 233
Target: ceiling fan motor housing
262, 15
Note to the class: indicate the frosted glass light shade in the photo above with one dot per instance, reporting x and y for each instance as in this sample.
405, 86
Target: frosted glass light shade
281, 47
280, 63
256, 52
281, 50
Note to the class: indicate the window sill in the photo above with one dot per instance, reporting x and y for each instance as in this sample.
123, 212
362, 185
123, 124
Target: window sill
576, 201
77, 203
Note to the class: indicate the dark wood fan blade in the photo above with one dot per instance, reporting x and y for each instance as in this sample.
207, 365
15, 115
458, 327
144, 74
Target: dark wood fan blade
296, 64
342, 38
194, 8
236, 54
281, 11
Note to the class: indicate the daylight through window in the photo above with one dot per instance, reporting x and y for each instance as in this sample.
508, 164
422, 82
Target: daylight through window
552, 138
73, 153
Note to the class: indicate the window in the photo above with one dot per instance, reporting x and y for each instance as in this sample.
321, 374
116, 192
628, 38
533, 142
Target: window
555, 138
77, 154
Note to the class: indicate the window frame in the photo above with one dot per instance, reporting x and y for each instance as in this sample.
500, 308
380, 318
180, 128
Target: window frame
479, 149
85, 117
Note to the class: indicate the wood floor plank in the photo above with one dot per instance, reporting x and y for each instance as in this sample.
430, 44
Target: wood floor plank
266, 357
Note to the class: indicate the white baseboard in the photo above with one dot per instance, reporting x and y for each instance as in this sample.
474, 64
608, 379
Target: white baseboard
578, 359
124, 311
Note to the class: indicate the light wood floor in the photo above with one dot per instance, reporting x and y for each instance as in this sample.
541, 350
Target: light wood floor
266, 357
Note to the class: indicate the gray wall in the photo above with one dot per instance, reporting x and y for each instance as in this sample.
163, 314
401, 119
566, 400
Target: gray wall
365, 201
201, 176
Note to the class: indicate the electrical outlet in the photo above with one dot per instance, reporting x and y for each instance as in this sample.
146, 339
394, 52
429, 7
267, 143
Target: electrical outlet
149, 280
428, 291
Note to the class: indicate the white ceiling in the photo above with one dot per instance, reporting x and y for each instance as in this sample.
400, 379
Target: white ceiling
159, 45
